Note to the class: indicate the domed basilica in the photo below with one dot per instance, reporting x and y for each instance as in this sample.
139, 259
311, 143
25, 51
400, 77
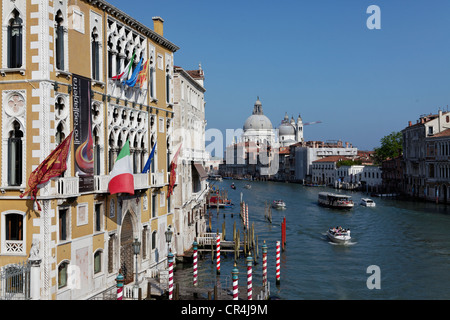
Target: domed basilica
259, 129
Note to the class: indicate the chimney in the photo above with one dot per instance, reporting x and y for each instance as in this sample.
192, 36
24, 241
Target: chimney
158, 25
410, 124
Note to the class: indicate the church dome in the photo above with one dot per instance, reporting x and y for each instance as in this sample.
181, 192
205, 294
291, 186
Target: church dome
286, 129
258, 121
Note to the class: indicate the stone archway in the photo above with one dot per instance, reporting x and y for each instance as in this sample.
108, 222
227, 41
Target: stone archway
126, 248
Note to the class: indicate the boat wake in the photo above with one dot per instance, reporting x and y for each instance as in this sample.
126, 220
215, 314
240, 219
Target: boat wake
343, 243
348, 243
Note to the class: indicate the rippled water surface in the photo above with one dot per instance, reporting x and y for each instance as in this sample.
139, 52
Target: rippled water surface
408, 241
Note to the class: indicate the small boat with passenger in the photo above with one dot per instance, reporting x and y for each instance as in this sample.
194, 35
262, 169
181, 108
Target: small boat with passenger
366, 202
339, 235
278, 204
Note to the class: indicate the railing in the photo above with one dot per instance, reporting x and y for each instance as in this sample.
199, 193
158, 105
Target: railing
101, 183
67, 187
15, 247
15, 282
141, 181
208, 238
108, 294
157, 179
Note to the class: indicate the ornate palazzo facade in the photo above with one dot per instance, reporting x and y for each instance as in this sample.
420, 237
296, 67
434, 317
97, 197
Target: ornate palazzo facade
82, 238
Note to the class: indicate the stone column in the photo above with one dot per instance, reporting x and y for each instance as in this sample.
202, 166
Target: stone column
35, 271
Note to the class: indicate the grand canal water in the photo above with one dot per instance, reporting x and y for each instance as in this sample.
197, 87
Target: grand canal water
408, 241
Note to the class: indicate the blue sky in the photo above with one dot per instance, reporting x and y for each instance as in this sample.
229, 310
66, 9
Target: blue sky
316, 58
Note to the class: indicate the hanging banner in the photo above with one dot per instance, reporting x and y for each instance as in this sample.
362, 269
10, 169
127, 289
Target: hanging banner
82, 136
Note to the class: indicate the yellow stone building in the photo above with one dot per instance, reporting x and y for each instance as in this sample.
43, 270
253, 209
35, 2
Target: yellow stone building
58, 55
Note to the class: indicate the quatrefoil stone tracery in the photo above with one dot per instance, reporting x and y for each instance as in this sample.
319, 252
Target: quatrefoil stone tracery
16, 105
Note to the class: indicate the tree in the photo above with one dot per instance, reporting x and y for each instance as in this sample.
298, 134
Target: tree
391, 147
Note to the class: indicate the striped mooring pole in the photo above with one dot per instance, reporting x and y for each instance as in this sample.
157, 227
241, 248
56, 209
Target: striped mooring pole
218, 252
120, 281
278, 263
235, 276
246, 216
195, 245
264, 257
249, 277
170, 259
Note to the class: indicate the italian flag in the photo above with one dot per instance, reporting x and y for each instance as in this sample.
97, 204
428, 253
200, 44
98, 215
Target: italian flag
126, 73
121, 178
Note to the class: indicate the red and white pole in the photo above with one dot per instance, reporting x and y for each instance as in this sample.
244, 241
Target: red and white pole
264, 250
195, 244
278, 263
249, 277
235, 276
218, 252
120, 281
170, 259
246, 216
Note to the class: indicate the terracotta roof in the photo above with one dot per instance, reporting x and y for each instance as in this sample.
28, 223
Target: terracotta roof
196, 74
332, 159
444, 133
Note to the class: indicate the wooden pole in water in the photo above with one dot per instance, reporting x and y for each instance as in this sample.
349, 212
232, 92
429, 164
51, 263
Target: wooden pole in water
246, 216
212, 250
195, 261
218, 252
223, 230
264, 250
278, 263
235, 276
249, 277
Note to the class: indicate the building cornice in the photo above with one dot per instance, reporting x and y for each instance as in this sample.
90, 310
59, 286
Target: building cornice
133, 23
189, 77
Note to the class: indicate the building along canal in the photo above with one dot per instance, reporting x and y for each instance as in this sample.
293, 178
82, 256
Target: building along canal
408, 241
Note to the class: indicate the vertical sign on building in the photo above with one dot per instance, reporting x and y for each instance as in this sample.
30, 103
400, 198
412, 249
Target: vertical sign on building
82, 137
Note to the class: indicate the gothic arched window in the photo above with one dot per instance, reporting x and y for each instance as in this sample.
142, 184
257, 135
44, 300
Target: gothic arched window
168, 78
95, 55
59, 40
15, 148
15, 41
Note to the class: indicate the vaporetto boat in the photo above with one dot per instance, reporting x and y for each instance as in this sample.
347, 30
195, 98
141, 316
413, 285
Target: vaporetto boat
335, 200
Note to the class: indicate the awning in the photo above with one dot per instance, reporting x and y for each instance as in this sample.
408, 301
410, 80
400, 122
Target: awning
201, 171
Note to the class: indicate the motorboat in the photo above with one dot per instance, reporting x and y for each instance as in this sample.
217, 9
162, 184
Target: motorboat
247, 186
339, 235
278, 204
366, 202
335, 200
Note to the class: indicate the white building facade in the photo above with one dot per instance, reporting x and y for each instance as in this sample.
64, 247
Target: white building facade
189, 133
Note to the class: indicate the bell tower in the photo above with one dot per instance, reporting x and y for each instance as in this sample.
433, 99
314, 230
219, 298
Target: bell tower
299, 129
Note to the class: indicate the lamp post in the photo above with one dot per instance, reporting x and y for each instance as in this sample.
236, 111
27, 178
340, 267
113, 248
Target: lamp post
136, 250
168, 235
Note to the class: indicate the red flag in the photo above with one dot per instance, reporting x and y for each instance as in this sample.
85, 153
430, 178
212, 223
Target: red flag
53, 166
142, 76
173, 176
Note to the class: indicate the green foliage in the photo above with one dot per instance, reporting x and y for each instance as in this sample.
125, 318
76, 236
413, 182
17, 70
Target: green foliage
391, 147
348, 163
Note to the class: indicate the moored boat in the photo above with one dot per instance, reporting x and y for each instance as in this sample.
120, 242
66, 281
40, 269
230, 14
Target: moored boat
335, 200
339, 235
278, 204
366, 202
